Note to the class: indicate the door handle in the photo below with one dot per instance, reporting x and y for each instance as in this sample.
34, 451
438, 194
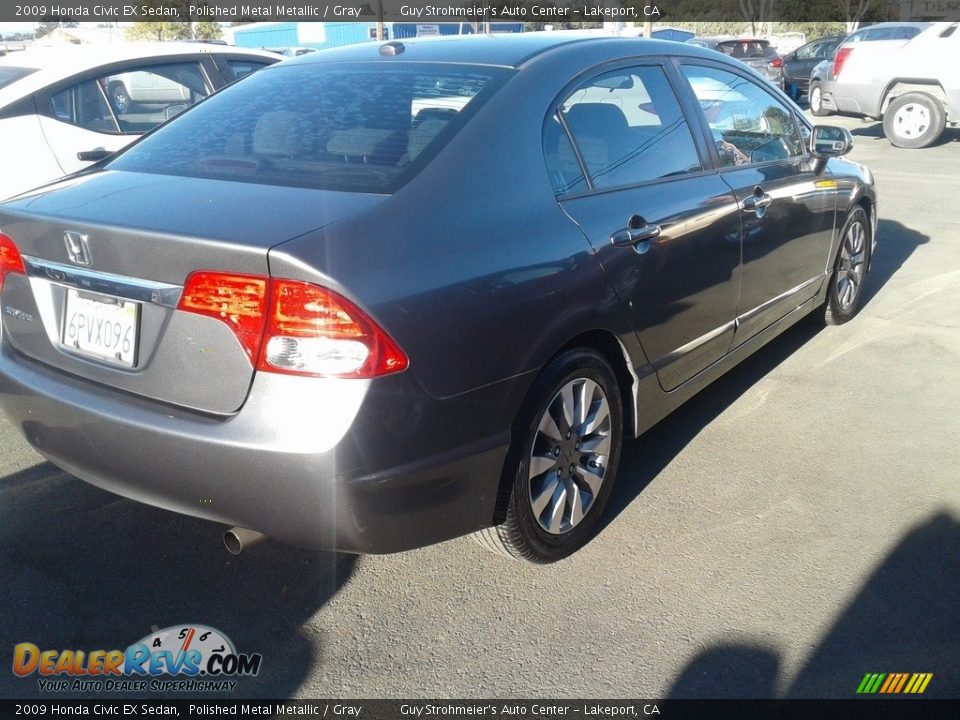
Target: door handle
632, 236
757, 201
93, 155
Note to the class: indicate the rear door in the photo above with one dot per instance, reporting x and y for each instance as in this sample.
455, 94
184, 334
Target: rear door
787, 211
664, 226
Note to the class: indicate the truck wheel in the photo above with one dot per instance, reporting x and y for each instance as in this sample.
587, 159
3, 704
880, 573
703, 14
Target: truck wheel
816, 100
914, 120
119, 98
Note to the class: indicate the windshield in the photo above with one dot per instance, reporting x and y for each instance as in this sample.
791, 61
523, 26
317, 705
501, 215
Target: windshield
354, 127
11, 74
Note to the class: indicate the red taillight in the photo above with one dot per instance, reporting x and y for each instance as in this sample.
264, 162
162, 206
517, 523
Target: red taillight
314, 331
10, 259
288, 326
776, 62
238, 300
839, 59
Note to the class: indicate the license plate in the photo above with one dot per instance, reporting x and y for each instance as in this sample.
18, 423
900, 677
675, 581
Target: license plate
101, 326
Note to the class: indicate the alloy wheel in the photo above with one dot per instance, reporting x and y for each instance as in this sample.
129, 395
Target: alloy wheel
570, 455
851, 267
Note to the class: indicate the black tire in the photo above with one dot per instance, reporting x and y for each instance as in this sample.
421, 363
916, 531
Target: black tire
522, 535
119, 98
842, 303
815, 98
914, 120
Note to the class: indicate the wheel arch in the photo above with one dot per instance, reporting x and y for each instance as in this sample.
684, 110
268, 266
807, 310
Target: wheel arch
610, 348
902, 86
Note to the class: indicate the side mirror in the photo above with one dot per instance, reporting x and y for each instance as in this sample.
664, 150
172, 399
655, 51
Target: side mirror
829, 141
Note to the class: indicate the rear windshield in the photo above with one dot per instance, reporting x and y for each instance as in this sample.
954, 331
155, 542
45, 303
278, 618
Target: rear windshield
352, 127
745, 48
11, 74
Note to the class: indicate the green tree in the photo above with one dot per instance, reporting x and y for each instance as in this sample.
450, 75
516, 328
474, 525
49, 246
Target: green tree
207, 30
159, 31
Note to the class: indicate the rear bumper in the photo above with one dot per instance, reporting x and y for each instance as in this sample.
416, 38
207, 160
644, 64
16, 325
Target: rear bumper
314, 462
848, 99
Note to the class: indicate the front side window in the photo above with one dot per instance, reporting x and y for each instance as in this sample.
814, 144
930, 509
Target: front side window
629, 128
748, 124
359, 128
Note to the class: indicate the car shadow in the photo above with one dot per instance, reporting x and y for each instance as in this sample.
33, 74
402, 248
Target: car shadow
875, 130
643, 459
895, 244
904, 619
869, 129
84, 569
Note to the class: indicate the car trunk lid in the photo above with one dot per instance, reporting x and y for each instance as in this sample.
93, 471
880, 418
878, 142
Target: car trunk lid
110, 253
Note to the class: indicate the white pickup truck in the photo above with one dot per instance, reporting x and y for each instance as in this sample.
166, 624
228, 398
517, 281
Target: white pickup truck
914, 85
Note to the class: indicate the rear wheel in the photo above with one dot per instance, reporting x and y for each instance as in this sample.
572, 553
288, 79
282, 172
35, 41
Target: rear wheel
850, 270
816, 100
914, 120
563, 460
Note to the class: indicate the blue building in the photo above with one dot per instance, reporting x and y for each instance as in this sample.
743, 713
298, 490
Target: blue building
320, 35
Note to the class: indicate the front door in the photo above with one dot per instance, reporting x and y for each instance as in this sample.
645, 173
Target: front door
787, 210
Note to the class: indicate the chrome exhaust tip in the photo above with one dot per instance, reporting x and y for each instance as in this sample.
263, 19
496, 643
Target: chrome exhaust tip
239, 539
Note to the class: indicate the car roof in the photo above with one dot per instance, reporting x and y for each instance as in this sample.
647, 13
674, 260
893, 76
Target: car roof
55, 63
506, 50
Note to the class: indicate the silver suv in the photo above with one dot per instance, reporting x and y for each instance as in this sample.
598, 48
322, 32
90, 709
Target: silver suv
824, 75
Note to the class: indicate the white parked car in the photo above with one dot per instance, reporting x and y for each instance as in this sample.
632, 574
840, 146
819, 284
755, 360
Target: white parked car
62, 109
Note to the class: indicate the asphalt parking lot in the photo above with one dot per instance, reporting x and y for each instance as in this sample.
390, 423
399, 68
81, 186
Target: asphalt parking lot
794, 527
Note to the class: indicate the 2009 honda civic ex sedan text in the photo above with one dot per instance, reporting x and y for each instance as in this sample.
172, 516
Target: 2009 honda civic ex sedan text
385, 295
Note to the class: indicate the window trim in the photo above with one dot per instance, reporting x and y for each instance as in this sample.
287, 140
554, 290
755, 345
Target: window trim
553, 110
705, 125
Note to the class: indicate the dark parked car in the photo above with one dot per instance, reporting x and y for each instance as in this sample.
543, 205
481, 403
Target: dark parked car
757, 53
798, 65
385, 295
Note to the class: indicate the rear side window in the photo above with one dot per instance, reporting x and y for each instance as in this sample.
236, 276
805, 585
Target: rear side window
629, 128
130, 101
358, 128
12, 74
84, 105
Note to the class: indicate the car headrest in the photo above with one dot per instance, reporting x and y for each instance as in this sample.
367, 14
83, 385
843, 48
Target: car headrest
595, 120
278, 133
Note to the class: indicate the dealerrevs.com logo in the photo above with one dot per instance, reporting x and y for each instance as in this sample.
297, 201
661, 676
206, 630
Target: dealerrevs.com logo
187, 658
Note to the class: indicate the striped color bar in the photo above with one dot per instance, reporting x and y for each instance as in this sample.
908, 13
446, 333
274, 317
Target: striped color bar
894, 683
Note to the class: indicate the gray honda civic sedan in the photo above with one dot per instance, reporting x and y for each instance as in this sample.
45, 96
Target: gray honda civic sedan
385, 295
